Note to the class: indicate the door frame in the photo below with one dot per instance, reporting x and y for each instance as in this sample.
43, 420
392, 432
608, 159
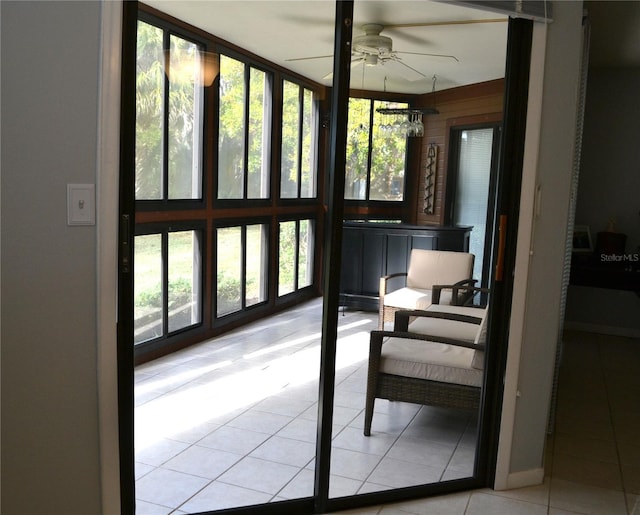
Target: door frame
107, 260
453, 171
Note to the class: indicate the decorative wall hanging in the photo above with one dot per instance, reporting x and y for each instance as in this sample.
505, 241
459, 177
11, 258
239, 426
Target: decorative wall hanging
430, 179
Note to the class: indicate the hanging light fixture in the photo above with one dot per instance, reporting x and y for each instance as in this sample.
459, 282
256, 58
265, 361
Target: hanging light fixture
200, 68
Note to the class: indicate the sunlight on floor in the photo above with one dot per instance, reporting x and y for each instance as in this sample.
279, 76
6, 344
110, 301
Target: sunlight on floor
202, 401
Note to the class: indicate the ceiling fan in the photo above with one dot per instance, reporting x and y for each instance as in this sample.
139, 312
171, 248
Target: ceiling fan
373, 49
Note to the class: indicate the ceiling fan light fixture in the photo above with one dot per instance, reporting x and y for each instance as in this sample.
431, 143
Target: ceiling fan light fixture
370, 60
372, 42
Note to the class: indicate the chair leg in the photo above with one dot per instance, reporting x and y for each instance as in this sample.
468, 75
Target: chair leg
368, 414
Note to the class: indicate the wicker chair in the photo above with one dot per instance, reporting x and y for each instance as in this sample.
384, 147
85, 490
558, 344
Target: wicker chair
427, 268
436, 360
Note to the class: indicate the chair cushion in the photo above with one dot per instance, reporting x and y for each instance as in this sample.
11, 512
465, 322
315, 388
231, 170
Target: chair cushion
429, 267
443, 327
454, 329
429, 360
413, 298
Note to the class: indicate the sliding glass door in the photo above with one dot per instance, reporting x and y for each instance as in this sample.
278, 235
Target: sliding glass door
243, 383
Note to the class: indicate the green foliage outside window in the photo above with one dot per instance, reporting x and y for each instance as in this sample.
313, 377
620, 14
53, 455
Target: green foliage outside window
184, 124
379, 174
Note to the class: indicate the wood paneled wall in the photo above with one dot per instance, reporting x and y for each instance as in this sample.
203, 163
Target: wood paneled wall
464, 106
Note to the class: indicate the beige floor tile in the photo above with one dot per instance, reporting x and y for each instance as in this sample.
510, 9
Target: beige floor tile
453, 504
633, 504
587, 472
588, 428
489, 504
631, 479
535, 494
582, 447
574, 497
596, 405
630, 453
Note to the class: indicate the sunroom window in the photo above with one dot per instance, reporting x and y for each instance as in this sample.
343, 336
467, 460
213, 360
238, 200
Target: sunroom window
169, 123
243, 131
299, 142
218, 238
376, 158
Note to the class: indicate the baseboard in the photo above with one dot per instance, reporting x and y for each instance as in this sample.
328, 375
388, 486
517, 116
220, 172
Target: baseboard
628, 332
523, 479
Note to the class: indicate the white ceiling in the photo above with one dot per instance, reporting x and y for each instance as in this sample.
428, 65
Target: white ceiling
278, 30
290, 29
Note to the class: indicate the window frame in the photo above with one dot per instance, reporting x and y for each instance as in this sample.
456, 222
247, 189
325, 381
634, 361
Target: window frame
165, 203
220, 320
383, 210
198, 227
314, 145
313, 222
249, 64
214, 212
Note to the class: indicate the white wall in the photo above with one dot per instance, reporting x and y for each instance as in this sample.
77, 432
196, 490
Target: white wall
50, 449
541, 243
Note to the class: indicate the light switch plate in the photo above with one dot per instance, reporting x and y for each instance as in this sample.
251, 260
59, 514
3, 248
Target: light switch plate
81, 204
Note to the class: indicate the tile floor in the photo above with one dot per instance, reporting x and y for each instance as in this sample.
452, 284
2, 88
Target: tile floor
232, 422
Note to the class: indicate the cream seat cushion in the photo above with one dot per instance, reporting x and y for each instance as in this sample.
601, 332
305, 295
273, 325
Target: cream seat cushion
448, 328
435, 361
429, 360
413, 298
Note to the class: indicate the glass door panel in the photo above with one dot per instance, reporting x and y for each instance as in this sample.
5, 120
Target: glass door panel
406, 409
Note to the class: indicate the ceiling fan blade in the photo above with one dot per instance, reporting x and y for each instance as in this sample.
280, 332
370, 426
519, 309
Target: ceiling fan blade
448, 22
308, 58
404, 70
430, 55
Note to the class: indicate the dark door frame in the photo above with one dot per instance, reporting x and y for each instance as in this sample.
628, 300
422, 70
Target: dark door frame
453, 169
507, 204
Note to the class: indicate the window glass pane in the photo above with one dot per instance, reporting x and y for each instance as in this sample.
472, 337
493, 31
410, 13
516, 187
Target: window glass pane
185, 119
229, 272
305, 254
355, 187
388, 151
147, 288
184, 280
259, 135
309, 142
231, 129
290, 140
149, 116
256, 281
287, 258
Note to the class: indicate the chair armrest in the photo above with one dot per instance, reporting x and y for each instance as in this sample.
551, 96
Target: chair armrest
469, 293
402, 318
464, 285
377, 339
385, 279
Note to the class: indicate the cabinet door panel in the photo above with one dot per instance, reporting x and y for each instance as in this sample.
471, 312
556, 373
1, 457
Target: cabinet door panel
372, 263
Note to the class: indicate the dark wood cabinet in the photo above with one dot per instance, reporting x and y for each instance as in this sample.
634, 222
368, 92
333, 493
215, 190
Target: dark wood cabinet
372, 250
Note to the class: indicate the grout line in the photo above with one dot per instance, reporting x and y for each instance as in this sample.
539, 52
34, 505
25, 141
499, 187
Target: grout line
613, 426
